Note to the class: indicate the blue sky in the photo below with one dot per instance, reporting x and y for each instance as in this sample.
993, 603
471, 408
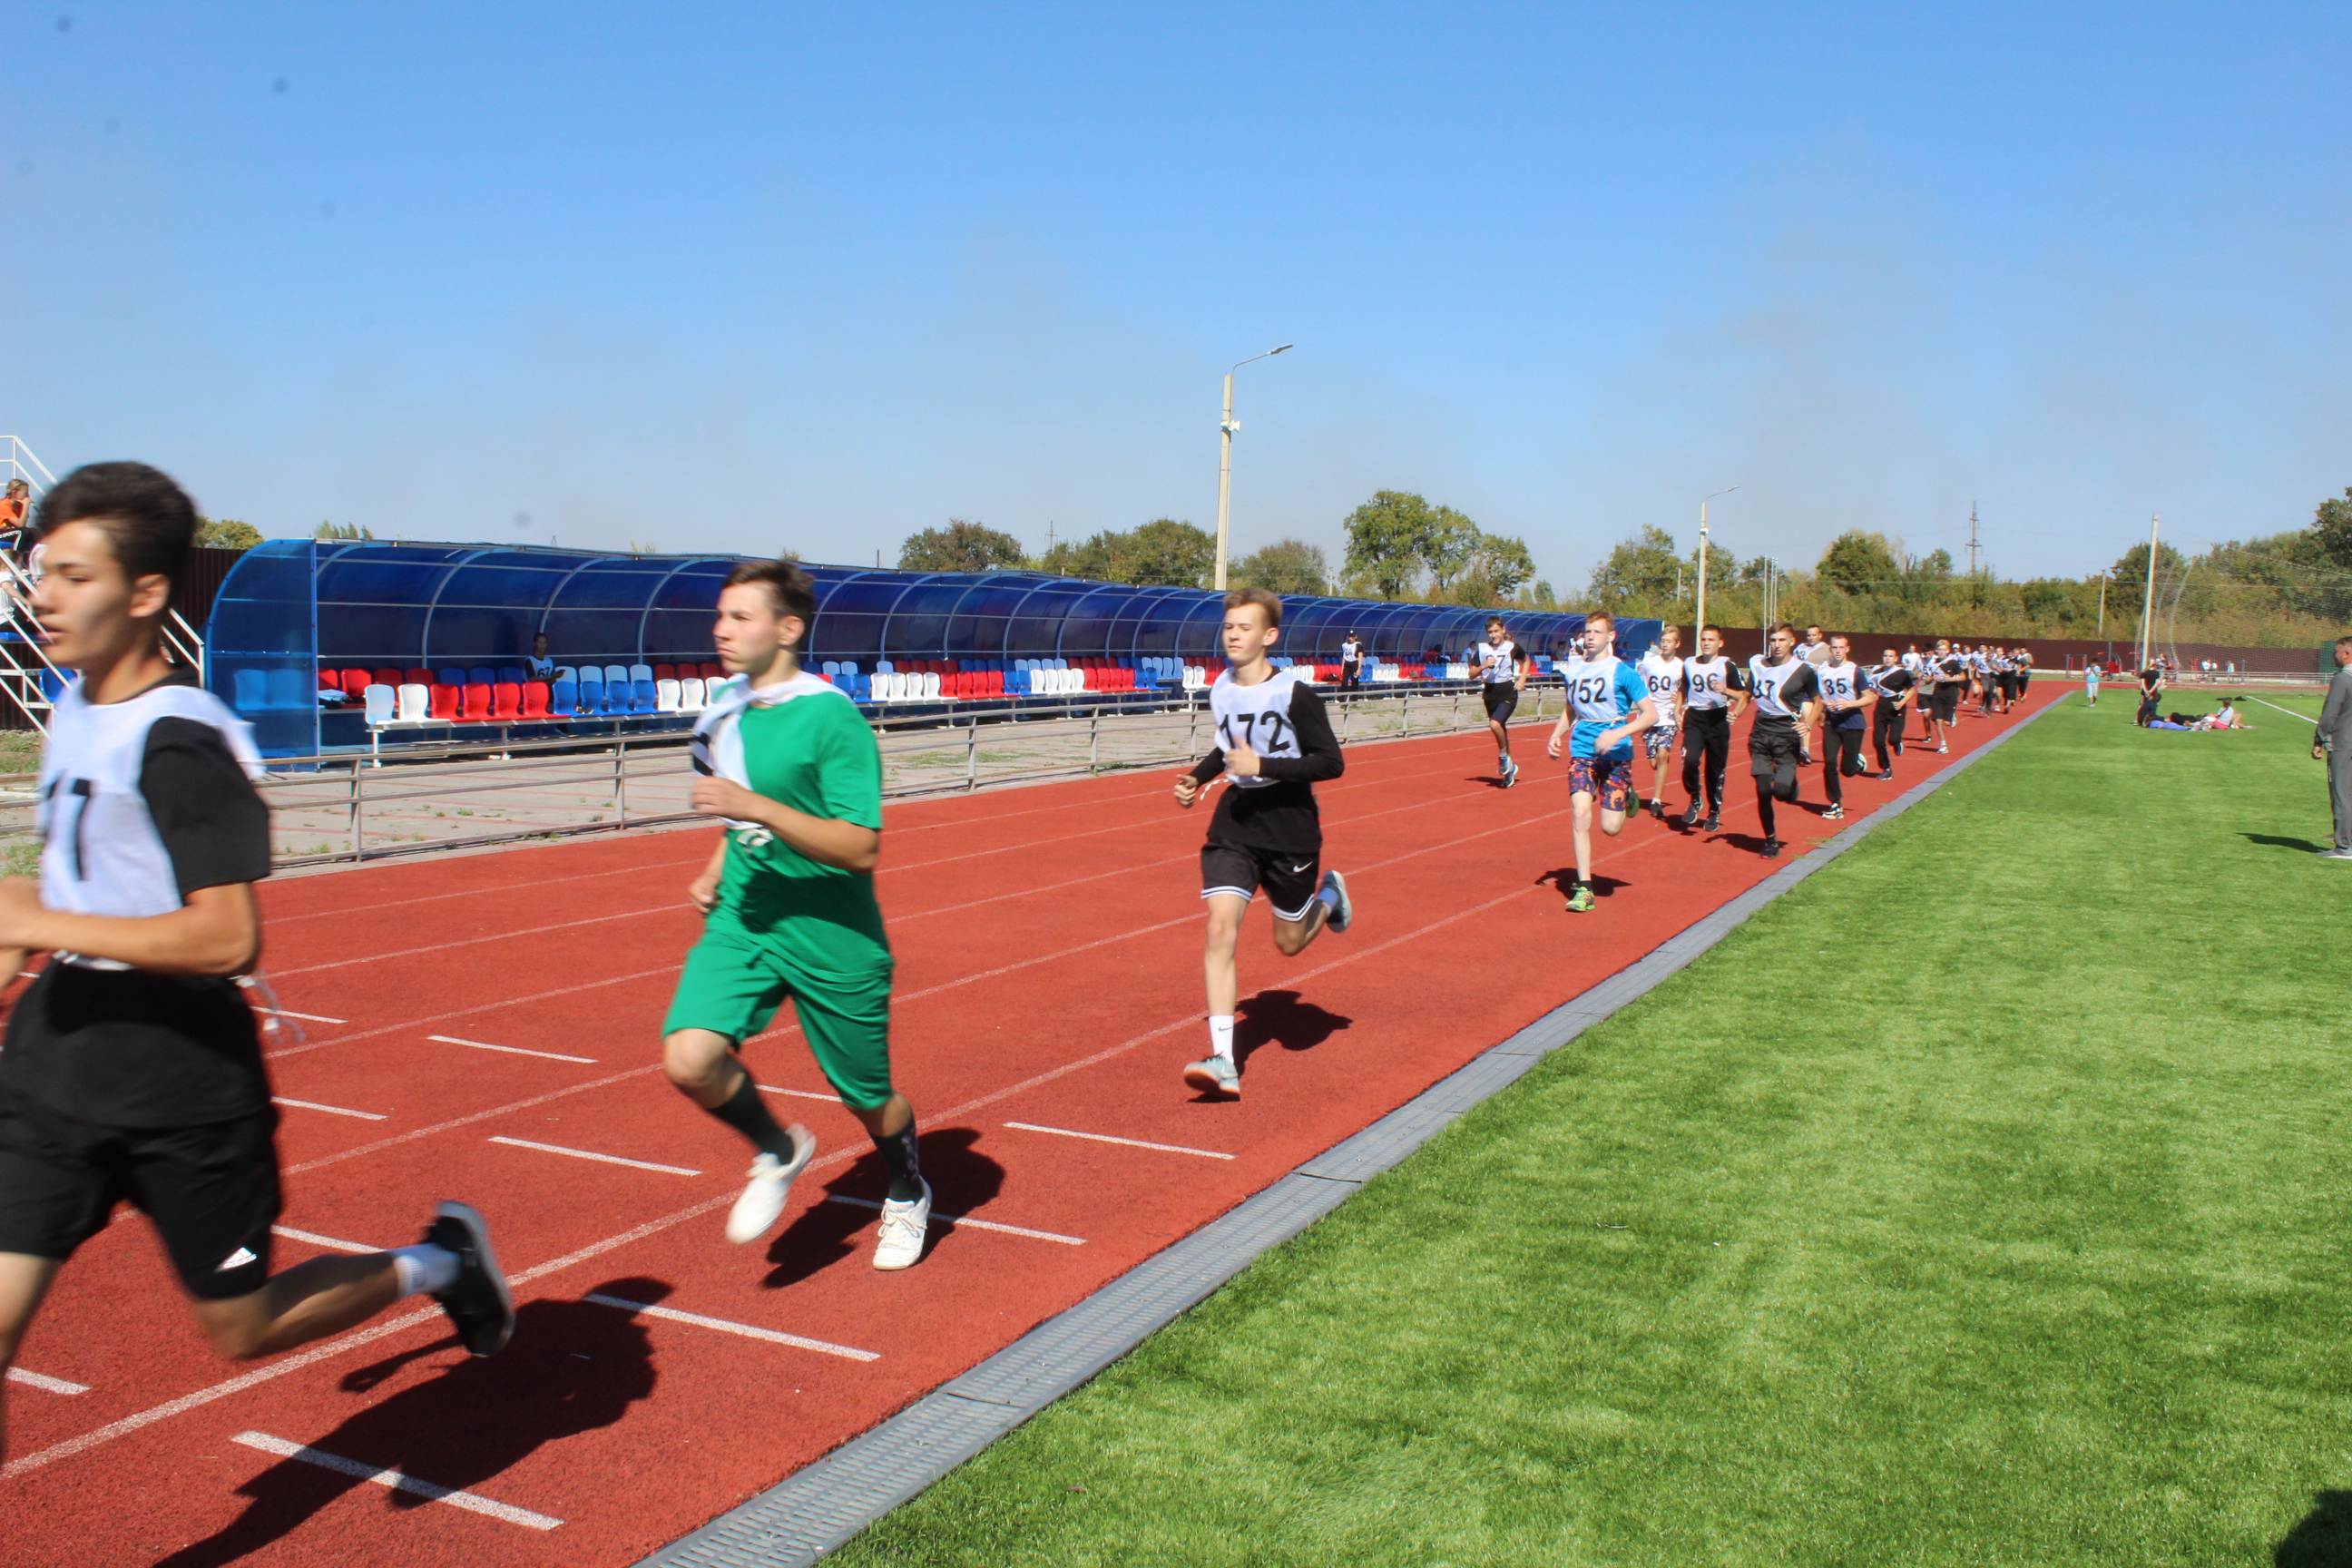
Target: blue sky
761, 277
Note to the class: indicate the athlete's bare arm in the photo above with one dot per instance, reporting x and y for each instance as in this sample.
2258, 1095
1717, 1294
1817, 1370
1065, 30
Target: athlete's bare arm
704, 890
216, 932
828, 841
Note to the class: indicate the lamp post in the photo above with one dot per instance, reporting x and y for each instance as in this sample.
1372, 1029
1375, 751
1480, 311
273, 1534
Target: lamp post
1225, 460
1698, 625
2147, 605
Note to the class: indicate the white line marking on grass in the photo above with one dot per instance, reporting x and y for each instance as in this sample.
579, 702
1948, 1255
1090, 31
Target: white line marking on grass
317, 1240
54, 1384
330, 1109
310, 1018
511, 1050
592, 1154
2289, 712
797, 1093
1130, 1142
471, 1501
967, 1219
726, 1327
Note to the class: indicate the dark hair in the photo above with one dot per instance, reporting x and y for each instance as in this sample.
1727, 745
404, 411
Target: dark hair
1710, 627
789, 589
1776, 628
149, 521
1265, 599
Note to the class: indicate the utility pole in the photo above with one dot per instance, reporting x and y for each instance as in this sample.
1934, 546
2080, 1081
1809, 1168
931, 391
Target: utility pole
1972, 539
1698, 625
2103, 605
1225, 460
2147, 605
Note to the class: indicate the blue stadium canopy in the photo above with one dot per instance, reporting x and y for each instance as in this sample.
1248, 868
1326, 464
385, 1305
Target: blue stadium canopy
291, 606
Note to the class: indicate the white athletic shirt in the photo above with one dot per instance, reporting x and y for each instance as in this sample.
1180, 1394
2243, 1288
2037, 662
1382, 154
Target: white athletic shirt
1766, 681
1594, 692
1661, 676
1840, 683
1813, 652
1706, 682
1351, 652
1506, 656
1912, 661
1255, 716
113, 862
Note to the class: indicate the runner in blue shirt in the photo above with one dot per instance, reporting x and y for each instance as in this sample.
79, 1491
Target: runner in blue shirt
1608, 705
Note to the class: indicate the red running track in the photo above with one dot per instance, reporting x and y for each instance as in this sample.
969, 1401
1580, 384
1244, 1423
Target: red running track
1049, 977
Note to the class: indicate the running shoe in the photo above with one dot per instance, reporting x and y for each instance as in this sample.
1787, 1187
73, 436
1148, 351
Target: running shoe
1658, 809
1771, 849
1805, 755
762, 1203
1580, 899
1943, 751
1214, 1075
1690, 817
904, 1228
2336, 854
1887, 777
1510, 773
1342, 908
1713, 824
478, 1300
1835, 813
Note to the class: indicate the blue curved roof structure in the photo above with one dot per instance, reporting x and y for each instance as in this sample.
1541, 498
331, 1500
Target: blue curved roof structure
292, 606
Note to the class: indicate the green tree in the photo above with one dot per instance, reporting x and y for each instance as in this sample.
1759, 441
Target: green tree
1386, 538
341, 531
2331, 528
227, 533
1639, 570
1163, 552
1505, 563
2130, 570
1287, 566
1859, 563
961, 546
1449, 545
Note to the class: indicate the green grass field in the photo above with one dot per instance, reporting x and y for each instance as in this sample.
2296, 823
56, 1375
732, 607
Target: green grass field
1982, 1201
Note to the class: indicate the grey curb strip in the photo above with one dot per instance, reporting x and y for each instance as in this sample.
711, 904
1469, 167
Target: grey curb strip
819, 1506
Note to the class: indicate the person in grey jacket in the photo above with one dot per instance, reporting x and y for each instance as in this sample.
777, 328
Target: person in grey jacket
2332, 740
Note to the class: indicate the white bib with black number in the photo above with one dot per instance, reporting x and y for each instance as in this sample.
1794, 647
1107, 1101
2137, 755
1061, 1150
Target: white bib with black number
1661, 675
1257, 717
1839, 682
1766, 681
1709, 681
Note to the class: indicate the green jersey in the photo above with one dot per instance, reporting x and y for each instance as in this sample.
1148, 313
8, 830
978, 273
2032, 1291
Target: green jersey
802, 743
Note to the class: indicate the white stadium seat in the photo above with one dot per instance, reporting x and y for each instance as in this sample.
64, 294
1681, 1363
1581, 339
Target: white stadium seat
665, 696
379, 699
415, 702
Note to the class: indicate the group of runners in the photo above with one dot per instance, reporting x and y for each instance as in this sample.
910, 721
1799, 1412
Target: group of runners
132, 1067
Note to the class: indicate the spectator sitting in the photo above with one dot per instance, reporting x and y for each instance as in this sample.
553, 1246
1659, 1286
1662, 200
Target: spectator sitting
542, 667
12, 511
2226, 718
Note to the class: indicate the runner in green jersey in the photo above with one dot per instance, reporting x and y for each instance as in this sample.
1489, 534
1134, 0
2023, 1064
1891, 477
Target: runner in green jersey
788, 899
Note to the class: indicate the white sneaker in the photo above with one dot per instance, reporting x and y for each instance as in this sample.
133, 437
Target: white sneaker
1214, 1075
904, 1228
762, 1204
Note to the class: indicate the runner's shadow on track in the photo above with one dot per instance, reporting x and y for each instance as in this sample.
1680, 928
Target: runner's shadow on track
2275, 842
1280, 1018
962, 1179
573, 1367
1564, 879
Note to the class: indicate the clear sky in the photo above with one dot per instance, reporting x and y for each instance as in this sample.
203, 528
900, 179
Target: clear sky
745, 278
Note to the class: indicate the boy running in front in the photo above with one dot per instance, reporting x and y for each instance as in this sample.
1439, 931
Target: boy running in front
1606, 706
1274, 744
790, 764
1712, 691
1785, 689
132, 1069
1502, 676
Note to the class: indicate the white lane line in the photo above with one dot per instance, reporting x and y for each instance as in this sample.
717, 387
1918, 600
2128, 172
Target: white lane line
967, 1219
511, 1050
797, 1093
330, 1109
315, 1239
470, 1501
54, 1384
1129, 1142
592, 1154
309, 1017
726, 1327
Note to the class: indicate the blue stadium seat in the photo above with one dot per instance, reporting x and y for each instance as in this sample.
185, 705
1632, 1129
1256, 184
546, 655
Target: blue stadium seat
592, 697
640, 673
250, 686
644, 696
563, 697
291, 689
507, 672
481, 675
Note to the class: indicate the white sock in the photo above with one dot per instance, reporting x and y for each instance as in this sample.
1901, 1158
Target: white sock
1221, 1035
423, 1268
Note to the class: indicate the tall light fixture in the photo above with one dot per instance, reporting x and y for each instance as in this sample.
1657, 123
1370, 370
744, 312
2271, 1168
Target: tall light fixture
1225, 460
1698, 625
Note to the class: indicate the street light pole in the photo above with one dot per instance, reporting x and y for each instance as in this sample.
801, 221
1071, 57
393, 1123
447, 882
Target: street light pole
2147, 605
1699, 625
1225, 460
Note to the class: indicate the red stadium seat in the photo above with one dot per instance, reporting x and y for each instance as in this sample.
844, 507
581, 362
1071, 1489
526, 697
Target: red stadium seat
331, 681
506, 700
355, 682
474, 701
416, 677
444, 701
665, 672
535, 696
712, 673
385, 676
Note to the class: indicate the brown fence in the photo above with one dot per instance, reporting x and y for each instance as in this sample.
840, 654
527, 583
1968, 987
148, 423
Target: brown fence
201, 582
2060, 653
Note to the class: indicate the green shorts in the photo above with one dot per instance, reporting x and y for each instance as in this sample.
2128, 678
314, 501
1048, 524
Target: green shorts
734, 982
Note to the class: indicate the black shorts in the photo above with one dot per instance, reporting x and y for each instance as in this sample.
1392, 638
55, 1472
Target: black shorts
1773, 751
212, 1189
1289, 880
1502, 698
1947, 706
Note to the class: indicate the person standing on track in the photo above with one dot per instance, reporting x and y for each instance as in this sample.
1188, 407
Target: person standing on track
132, 1067
787, 897
1274, 744
1893, 686
1502, 676
1352, 663
1845, 694
1661, 671
1714, 689
1784, 688
1606, 706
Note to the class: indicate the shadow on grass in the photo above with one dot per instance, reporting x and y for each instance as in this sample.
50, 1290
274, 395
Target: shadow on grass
2323, 1539
2273, 841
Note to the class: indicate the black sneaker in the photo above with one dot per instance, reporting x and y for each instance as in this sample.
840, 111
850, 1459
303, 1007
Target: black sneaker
479, 1303
1690, 817
1771, 849
1713, 824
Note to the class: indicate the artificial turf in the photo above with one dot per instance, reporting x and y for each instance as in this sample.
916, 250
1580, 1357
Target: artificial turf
1981, 1201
